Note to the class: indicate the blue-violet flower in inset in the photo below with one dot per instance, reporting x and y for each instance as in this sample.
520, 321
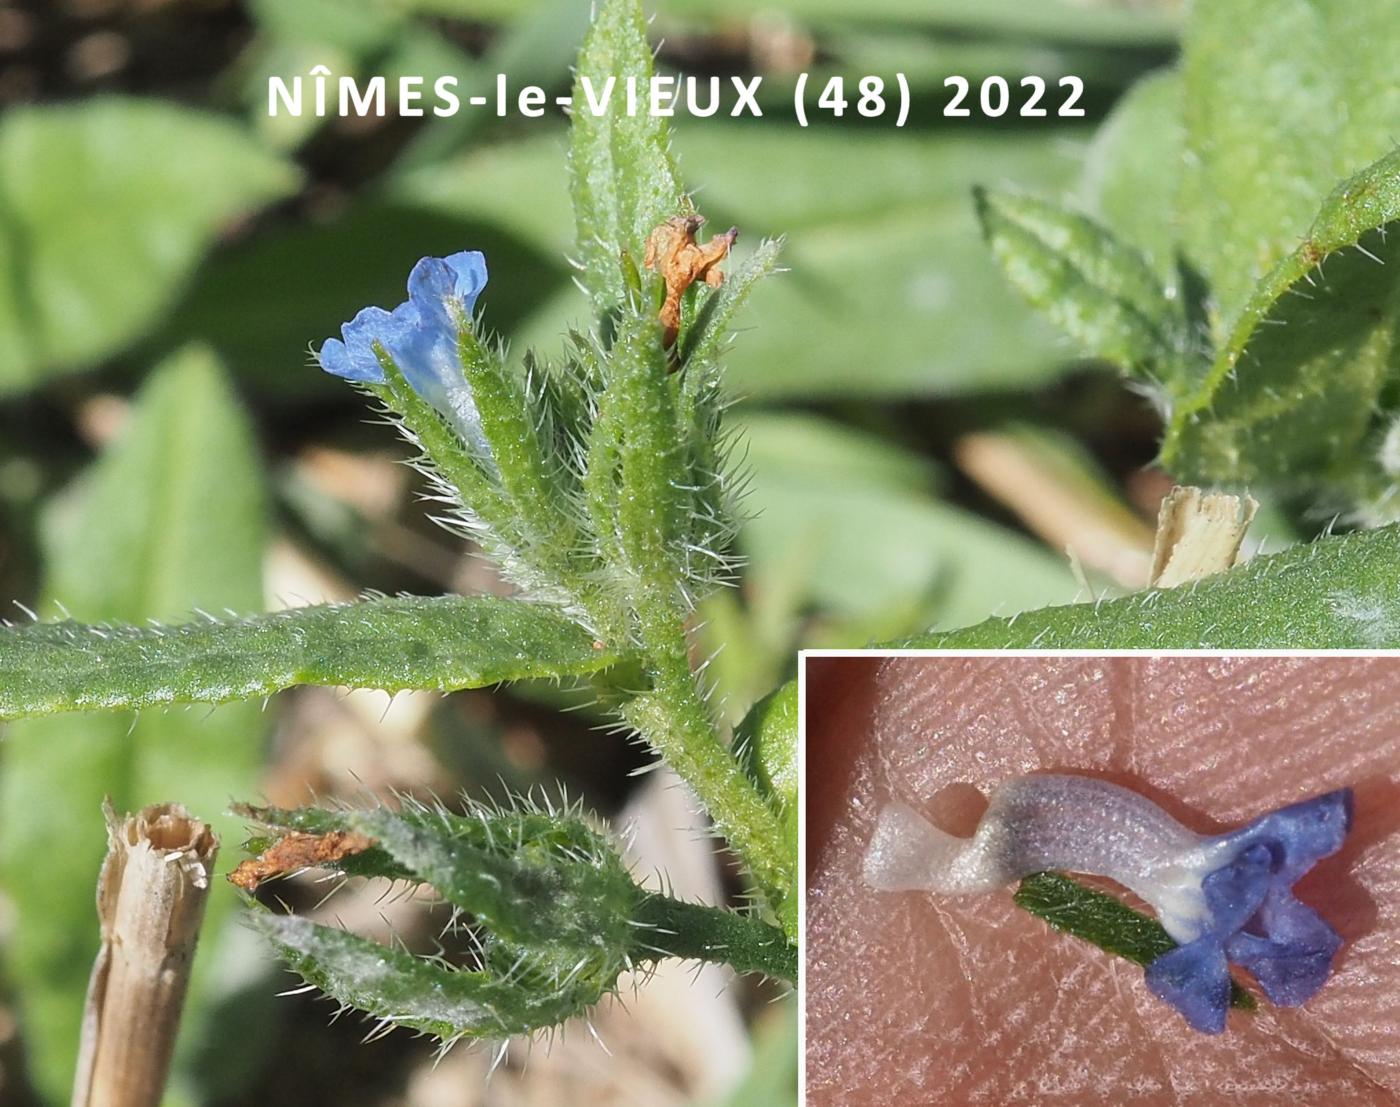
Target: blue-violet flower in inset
420, 335
1222, 897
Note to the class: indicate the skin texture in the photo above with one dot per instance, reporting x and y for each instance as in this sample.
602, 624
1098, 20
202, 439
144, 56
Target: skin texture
913, 998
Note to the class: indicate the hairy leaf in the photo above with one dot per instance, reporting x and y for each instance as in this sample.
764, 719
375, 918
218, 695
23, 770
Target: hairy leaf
541, 880
652, 505
1337, 593
1095, 287
556, 915
400, 989
766, 742
706, 335
537, 485
1283, 98
623, 176
443, 644
1291, 396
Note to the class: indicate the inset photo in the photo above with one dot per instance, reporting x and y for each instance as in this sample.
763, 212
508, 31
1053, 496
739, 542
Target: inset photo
1095, 879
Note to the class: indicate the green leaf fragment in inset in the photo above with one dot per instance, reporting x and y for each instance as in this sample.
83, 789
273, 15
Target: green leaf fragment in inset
1096, 917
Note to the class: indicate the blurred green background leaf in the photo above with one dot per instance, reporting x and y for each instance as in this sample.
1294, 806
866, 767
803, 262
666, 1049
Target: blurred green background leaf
107, 208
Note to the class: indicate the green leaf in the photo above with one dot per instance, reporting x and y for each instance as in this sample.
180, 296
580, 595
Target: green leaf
651, 506
766, 742
1099, 290
453, 1004
706, 336
443, 644
1291, 397
623, 177
171, 515
556, 911
1341, 592
1283, 98
1098, 918
107, 207
540, 879
399, 989
519, 425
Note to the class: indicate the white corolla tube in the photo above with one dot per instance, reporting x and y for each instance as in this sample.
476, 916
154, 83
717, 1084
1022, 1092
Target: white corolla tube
1036, 824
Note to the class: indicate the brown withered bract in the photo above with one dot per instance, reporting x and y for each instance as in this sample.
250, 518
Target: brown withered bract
298, 851
673, 252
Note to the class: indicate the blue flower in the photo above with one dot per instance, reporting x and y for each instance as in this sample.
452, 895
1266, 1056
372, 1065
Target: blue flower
420, 335
1251, 917
1223, 898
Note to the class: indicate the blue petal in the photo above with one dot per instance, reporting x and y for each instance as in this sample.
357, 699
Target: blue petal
355, 359
335, 359
1286, 944
1308, 831
1253, 918
470, 269
368, 327
1194, 979
431, 289
1234, 892
422, 340
1288, 947
438, 285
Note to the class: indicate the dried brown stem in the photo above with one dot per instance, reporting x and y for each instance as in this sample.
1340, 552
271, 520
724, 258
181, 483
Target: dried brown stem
150, 903
1198, 534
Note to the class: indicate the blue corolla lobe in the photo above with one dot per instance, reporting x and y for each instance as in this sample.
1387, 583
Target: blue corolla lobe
1255, 920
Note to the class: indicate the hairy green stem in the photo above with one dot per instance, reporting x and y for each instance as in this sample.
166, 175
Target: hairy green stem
693, 931
673, 718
